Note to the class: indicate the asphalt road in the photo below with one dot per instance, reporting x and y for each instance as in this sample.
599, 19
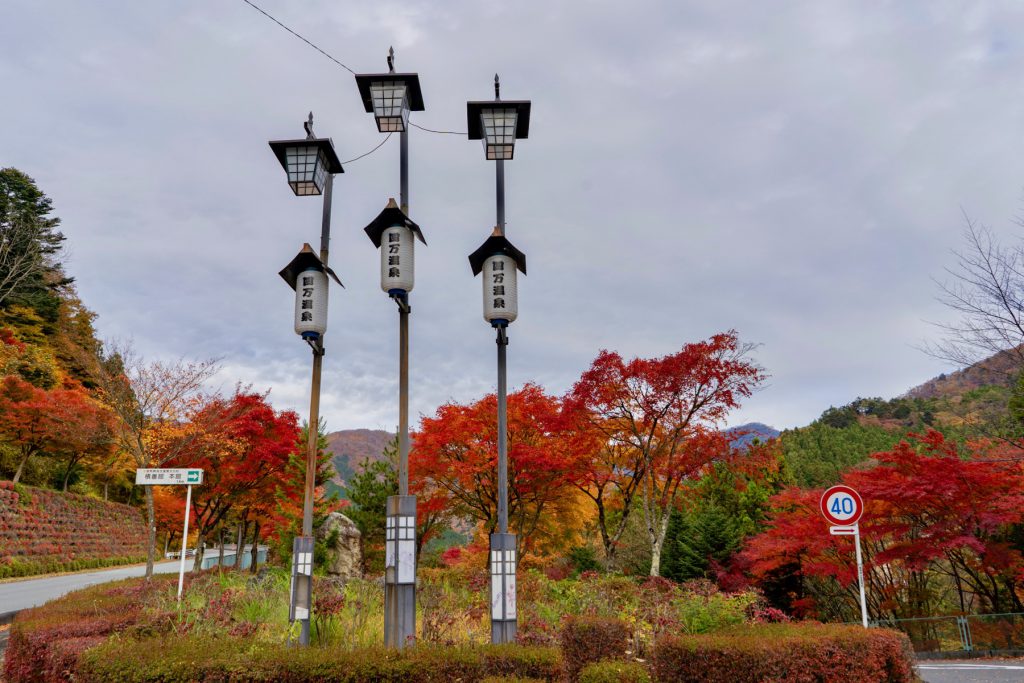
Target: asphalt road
972, 671
19, 595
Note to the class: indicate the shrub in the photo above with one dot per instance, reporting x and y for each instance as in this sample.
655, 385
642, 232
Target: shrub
226, 659
784, 652
592, 639
614, 672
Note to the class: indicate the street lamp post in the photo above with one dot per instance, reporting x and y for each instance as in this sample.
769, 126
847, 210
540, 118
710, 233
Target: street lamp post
498, 124
310, 165
390, 97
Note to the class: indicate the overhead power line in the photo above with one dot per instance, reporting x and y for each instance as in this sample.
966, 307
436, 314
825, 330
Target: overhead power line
307, 42
343, 66
368, 153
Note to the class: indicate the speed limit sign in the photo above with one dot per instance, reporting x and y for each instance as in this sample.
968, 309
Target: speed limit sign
842, 505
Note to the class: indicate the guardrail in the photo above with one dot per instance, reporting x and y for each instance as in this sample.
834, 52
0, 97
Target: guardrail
962, 633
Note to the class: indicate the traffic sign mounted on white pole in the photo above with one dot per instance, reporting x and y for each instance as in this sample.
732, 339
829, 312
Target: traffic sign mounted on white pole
843, 508
166, 476
163, 476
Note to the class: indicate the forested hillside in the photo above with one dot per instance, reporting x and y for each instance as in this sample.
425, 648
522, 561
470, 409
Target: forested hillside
79, 416
53, 430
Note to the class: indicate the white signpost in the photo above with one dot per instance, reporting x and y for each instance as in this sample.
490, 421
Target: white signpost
174, 477
843, 507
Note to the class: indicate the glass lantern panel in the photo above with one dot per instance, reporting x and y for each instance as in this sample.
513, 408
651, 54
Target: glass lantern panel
307, 169
499, 127
390, 105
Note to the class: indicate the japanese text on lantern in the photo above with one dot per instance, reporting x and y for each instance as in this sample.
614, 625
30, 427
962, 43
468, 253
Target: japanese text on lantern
393, 264
307, 298
498, 283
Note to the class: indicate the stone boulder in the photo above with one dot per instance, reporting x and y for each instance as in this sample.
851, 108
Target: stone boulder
345, 557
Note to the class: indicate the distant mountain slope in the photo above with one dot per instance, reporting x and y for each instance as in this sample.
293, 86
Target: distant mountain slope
998, 370
350, 447
750, 431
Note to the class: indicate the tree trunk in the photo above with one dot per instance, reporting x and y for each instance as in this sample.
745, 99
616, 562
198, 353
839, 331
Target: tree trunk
151, 535
240, 545
220, 551
167, 543
21, 466
657, 542
197, 564
255, 548
106, 496
67, 474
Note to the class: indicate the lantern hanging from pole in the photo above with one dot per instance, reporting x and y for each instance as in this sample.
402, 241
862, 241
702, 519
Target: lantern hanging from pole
311, 304
394, 234
499, 262
498, 124
390, 97
307, 275
307, 163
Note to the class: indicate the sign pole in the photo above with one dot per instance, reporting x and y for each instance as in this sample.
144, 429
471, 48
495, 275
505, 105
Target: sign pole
860, 576
184, 544
843, 507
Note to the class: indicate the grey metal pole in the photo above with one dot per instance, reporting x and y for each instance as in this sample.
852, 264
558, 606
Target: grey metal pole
314, 412
400, 533
499, 167
403, 341
502, 342
404, 172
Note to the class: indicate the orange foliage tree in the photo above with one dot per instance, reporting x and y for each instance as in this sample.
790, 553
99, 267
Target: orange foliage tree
455, 453
651, 425
244, 446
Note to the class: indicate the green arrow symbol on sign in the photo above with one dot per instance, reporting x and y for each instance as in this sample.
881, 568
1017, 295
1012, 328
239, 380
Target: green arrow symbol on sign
193, 477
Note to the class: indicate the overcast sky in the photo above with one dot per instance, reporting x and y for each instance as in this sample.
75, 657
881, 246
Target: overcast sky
795, 171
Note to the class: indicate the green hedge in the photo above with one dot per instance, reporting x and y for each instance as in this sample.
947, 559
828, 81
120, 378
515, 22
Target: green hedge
796, 653
18, 568
615, 672
195, 658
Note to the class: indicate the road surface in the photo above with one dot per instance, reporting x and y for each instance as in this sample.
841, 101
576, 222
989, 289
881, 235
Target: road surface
972, 670
19, 595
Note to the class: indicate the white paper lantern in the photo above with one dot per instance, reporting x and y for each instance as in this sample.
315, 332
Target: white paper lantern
396, 259
311, 303
500, 297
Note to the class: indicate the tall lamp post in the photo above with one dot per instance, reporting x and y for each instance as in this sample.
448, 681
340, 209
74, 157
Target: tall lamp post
498, 124
310, 165
390, 97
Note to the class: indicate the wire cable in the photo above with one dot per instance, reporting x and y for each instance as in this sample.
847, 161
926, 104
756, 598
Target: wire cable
343, 66
307, 42
442, 132
368, 153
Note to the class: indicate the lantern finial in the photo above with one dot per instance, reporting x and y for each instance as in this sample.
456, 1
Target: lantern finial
391, 59
308, 125
497, 88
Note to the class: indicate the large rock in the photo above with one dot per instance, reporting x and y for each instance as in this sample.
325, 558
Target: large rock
345, 557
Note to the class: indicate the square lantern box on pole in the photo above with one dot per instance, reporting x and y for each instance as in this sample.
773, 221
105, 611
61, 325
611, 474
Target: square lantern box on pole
503, 588
301, 604
308, 163
390, 97
498, 124
400, 571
